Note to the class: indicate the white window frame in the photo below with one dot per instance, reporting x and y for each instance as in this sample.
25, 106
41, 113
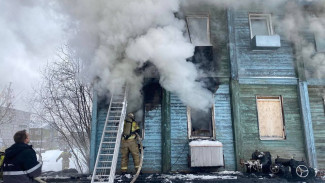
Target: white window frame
189, 125
280, 98
259, 16
208, 26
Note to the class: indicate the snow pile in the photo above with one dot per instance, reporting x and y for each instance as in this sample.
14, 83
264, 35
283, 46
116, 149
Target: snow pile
229, 173
202, 177
201, 143
49, 161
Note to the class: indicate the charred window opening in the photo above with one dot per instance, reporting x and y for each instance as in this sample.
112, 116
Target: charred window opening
260, 24
270, 117
198, 29
152, 95
320, 43
201, 123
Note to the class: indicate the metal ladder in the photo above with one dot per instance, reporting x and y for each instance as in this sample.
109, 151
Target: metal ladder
105, 166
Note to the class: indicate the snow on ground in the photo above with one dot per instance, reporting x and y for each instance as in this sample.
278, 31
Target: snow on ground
229, 173
202, 177
50, 164
49, 161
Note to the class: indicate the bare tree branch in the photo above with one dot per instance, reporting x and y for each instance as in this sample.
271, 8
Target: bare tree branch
6, 104
65, 103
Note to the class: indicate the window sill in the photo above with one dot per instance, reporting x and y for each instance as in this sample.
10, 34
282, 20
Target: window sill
272, 138
266, 42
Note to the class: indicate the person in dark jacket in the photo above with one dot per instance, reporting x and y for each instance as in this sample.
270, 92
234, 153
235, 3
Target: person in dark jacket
20, 164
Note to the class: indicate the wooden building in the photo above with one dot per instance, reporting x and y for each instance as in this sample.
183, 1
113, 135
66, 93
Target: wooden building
263, 99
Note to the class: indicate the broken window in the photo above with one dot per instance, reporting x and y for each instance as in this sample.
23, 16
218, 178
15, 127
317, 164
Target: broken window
260, 24
201, 123
270, 117
198, 29
320, 43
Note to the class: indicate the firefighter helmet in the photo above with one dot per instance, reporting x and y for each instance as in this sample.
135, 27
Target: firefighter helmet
131, 115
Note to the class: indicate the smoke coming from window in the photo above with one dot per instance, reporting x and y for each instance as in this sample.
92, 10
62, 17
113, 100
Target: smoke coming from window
117, 37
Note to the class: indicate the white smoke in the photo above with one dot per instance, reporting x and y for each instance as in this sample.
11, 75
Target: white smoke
116, 37
168, 49
30, 33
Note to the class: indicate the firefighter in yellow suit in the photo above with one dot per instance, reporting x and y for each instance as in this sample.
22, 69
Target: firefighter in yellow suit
65, 159
129, 143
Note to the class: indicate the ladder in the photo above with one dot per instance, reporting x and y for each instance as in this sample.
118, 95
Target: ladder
105, 166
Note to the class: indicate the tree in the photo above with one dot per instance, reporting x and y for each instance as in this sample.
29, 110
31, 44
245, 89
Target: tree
6, 104
64, 101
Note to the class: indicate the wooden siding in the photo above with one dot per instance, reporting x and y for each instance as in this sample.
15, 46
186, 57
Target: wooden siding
224, 129
219, 40
93, 132
152, 140
248, 139
316, 94
97, 130
179, 139
267, 63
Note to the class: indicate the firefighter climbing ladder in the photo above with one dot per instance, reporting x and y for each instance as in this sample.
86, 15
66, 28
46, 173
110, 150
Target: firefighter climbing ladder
105, 166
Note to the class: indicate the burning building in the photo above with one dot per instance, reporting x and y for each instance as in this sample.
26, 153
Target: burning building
214, 79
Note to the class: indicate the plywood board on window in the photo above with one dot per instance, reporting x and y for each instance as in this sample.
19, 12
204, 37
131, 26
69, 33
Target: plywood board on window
270, 118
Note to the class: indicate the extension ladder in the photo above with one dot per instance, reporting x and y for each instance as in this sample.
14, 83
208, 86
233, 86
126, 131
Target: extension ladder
105, 166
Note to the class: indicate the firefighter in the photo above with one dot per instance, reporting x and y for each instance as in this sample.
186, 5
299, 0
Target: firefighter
129, 143
65, 155
20, 163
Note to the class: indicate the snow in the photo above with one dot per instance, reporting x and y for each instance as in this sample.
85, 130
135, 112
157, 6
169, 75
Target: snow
202, 177
205, 143
229, 173
49, 161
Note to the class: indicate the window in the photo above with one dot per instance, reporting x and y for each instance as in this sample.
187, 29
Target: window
320, 43
201, 123
270, 117
260, 24
22, 126
198, 29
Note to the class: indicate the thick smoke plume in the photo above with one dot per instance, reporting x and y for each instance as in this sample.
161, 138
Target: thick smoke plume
117, 37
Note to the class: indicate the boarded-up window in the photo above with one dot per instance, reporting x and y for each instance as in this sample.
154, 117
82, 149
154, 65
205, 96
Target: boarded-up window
260, 24
198, 29
200, 123
270, 118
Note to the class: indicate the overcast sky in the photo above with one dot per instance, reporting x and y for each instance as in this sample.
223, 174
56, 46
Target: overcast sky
30, 33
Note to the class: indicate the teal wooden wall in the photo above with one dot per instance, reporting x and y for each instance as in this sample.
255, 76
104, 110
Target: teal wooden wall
152, 140
179, 139
263, 63
247, 139
98, 121
224, 128
316, 94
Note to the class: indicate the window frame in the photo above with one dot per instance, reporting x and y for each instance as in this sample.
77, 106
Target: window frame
189, 125
207, 16
280, 98
259, 16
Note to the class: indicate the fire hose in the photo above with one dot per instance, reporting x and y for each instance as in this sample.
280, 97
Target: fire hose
141, 158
